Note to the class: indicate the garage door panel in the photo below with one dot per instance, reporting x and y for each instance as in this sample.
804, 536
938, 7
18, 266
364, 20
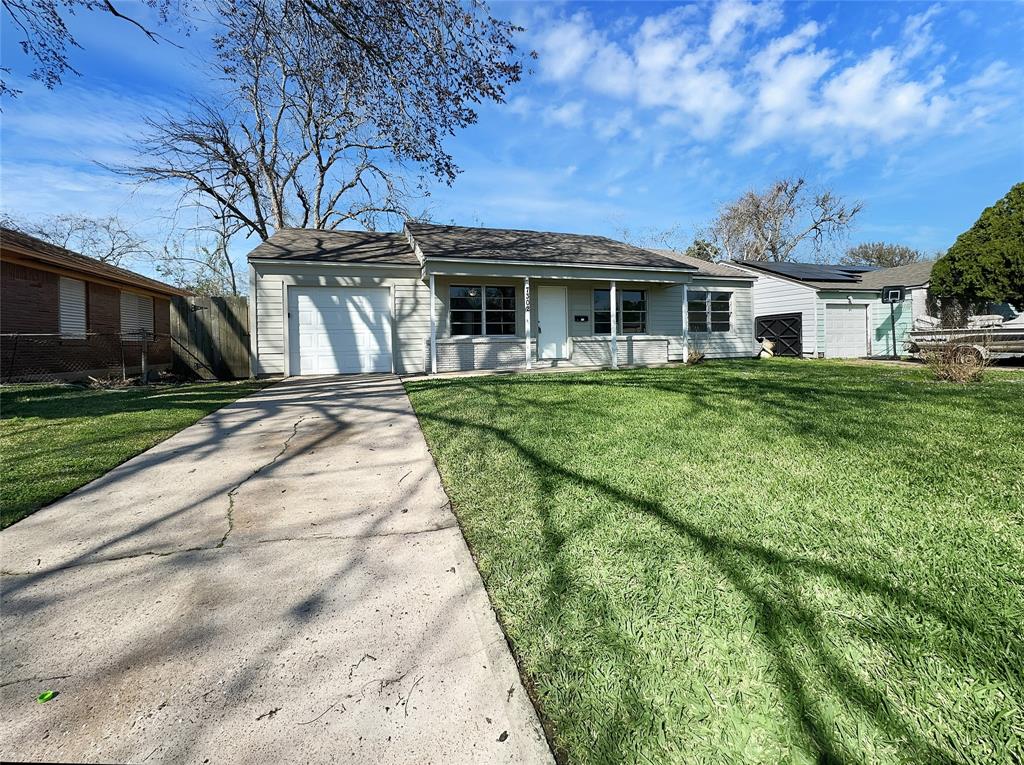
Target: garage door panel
340, 330
846, 331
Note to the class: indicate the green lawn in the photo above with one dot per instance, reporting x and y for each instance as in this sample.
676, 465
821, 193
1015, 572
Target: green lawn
55, 438
776, 561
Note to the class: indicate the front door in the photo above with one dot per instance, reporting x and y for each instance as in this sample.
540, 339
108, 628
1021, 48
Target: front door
552, 323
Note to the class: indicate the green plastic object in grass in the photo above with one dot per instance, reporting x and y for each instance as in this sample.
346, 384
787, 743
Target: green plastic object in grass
45, 696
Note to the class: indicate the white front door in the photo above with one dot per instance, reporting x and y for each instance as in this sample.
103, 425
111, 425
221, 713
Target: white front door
338, 330
846, 331
552, 323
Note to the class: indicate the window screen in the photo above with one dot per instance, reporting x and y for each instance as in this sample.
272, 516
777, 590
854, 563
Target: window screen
136, 315
72, 308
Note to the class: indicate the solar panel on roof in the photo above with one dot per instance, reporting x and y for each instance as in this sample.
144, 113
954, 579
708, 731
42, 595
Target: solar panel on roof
813, 272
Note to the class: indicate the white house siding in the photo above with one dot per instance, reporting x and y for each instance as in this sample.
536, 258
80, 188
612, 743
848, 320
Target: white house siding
271, 280
738, 342
663, 342
778, 296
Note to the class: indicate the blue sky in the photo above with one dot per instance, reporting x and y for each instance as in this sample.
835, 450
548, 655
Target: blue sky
635, 115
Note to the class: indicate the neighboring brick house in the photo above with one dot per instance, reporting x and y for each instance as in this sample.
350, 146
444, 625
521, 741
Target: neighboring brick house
63, 315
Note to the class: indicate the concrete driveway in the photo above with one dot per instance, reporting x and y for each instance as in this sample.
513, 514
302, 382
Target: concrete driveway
283, 581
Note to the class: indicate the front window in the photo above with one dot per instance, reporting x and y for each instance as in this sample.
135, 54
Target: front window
477, 310
632, 318
634, 312
709, 311
501, 310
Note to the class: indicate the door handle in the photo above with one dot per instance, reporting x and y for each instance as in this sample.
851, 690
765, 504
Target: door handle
538, 329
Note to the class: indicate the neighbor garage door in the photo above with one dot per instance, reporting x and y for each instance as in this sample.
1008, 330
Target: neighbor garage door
846, 331
338, 330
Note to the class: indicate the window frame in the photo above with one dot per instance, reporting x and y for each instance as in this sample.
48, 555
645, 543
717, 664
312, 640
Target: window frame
483, 310
709, 322
619, 293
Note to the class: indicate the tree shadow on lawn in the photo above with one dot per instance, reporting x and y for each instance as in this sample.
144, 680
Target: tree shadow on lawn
803, 655
60, 402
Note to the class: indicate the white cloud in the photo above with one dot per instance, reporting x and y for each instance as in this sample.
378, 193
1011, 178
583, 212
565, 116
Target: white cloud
565, 46
731, 16
608, 128
568, 115
917, 34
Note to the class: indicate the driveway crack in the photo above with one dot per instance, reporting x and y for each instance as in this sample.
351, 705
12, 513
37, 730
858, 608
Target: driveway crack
237, 487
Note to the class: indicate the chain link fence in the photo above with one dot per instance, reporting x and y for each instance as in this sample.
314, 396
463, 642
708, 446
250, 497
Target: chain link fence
33, 357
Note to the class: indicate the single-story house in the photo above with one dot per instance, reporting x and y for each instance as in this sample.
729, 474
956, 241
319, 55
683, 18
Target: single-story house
66, 316
835, 311
437, 298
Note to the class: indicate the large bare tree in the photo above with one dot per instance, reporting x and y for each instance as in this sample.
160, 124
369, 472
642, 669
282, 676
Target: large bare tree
109, 240
334, 109
775, 224
882, 255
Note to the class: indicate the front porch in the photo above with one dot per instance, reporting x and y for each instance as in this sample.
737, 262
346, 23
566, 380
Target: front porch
494, 321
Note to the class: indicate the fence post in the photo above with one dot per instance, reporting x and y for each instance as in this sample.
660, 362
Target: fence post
145, 368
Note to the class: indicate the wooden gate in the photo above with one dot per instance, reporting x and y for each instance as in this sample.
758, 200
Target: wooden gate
210, 337
785, 330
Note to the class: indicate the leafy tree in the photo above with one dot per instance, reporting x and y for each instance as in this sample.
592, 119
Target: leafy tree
775, 223
882, 254
704, 250
46, 39
331, 106
986, 263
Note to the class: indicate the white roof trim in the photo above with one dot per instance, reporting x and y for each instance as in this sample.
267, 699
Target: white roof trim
557, 264
410, 266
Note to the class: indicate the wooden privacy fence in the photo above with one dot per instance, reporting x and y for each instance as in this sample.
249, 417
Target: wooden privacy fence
210, 337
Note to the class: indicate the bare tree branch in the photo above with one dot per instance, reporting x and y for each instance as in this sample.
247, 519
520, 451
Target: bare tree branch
774, 224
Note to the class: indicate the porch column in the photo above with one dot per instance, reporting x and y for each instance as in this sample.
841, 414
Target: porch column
686, 323
526, 304
615, 325
433, 328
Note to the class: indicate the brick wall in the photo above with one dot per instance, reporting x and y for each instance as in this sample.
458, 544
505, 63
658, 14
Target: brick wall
29, 301
29, 305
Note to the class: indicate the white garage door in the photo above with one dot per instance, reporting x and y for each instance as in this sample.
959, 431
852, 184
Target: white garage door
338, 330
846, 331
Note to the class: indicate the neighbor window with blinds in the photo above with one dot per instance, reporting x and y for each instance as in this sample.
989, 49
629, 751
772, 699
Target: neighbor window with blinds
72, 308
632, 318
482, 310
136, 315
709, 311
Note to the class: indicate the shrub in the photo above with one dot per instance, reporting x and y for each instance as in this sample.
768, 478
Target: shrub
957, 361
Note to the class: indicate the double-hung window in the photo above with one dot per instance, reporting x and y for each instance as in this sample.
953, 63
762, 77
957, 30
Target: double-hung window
482, 310
632, 313
709, 311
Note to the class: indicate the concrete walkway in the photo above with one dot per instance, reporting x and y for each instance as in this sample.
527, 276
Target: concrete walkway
282, 582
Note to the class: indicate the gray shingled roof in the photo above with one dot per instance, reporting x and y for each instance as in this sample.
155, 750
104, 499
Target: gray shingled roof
462, 242
45, 252
705, 267
337, 247
912, 275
